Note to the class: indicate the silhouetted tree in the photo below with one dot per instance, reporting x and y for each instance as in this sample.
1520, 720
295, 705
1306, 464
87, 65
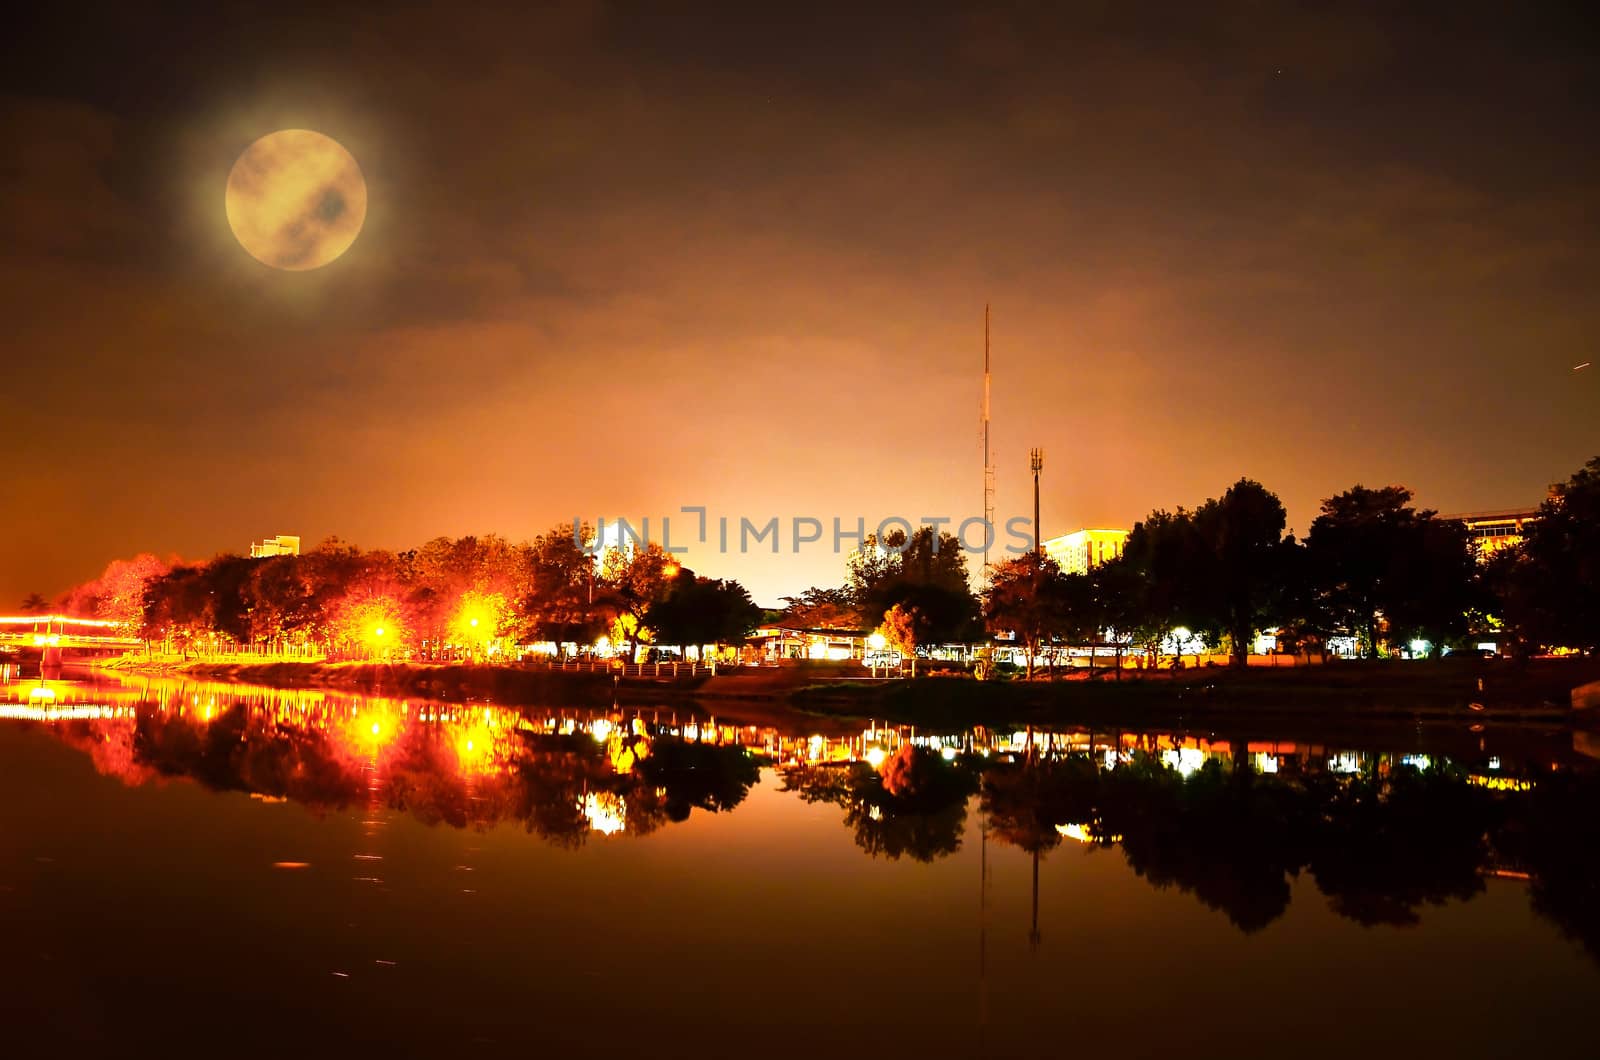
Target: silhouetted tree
698, 611
923, 570
1241, 578
1375, 558
1549, 589
822, 609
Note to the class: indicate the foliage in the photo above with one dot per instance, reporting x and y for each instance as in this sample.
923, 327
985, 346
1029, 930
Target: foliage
1027, 596
697, 611
1380, 568
118, 594
818, 608
1218, 571
923, 572
1239, 578
903, 629
470, 595
1549, 589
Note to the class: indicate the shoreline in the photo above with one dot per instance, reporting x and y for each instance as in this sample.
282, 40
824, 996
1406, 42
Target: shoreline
1381, 691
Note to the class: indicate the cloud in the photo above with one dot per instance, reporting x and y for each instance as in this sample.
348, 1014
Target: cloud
616, 262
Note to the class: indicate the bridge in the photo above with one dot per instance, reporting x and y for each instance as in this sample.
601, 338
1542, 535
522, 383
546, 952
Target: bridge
50, 635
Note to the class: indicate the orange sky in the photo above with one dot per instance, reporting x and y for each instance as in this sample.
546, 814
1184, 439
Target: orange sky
617, 263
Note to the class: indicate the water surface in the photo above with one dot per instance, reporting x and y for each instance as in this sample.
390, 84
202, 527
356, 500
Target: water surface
218, 869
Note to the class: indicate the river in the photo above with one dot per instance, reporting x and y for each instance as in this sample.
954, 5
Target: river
204, 868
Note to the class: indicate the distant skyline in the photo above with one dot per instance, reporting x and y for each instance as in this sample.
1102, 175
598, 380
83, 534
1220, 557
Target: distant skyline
616, 262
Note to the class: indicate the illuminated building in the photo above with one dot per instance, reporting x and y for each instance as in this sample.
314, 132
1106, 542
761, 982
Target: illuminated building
797, 642
281, 545
1492, 531
1078, 552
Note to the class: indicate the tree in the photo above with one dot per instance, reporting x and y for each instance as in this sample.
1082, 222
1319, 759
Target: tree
636, 581
1155, 585
700, 611
822, 609
480, 619
565, 601
438, 578
35, 604
1549, 589
904, 629
118, 594
924, 571
1375, 559
1437, 584
1026, 597
1241, 535
1354, 545
372, 620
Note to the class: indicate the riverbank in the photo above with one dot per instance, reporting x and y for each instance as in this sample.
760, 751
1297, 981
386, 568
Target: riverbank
1464, 689
501, 684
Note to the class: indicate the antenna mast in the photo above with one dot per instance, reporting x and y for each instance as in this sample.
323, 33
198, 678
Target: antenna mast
988, 467
1036, 465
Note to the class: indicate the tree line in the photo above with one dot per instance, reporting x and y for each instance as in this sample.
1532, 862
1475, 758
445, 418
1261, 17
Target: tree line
1374, 568
451, 597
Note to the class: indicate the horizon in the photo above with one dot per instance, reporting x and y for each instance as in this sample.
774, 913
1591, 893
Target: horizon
789, 544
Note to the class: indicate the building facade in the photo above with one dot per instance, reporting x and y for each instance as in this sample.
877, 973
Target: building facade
1493, 531
1083, 550
281, 545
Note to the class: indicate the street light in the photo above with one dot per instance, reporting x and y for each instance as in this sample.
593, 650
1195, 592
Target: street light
877, 642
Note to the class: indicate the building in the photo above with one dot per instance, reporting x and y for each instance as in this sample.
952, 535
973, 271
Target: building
800, 642
282, 545
1078, 552
1492, 531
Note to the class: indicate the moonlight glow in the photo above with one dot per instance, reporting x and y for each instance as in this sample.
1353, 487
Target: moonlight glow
296, 199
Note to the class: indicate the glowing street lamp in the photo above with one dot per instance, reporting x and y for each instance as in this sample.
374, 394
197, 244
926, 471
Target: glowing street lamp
477, 621
877, 642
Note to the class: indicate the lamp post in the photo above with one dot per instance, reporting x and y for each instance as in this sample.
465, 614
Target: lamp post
1036, 464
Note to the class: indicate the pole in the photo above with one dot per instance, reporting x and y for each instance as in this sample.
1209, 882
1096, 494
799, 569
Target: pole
988, 470
1036, 464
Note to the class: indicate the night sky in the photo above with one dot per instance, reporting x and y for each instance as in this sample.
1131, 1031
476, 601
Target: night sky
616, 262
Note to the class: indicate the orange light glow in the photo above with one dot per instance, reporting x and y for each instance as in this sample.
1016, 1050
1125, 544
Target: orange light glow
475, 749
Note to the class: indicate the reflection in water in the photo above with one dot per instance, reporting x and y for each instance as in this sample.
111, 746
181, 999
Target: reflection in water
1381, 835
563, 775
914, 804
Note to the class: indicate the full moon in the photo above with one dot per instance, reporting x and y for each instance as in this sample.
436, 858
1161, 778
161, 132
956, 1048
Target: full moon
296, 199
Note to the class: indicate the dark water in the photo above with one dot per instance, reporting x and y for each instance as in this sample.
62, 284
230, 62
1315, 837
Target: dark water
221, 870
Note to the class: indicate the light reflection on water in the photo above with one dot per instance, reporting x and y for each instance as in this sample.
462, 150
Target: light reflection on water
1324, 852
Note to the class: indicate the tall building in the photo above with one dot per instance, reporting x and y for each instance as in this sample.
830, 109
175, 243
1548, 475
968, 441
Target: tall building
1078, 552
282, 545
